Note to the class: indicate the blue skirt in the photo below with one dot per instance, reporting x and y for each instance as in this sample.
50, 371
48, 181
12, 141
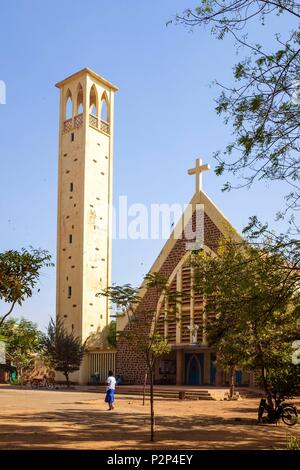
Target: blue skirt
110, 396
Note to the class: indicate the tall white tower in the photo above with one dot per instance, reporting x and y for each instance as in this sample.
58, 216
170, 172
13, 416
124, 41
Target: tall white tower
84, 232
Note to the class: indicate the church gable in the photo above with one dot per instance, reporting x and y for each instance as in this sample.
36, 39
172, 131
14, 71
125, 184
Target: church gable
174, 264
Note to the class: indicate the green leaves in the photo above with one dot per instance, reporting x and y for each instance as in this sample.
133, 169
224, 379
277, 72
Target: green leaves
253, 308
23, 341
19, 274
239, 71
63, 349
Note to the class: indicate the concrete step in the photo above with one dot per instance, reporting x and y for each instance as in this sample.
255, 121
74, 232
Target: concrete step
163, 393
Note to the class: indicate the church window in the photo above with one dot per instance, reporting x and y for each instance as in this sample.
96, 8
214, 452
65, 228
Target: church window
69, 106
93, 101
72, 136
71, 187
69, 292
70, 238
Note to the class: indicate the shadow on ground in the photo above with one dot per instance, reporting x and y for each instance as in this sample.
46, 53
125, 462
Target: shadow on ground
93, 428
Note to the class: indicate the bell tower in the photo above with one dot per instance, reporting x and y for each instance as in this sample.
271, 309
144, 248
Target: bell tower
84, 228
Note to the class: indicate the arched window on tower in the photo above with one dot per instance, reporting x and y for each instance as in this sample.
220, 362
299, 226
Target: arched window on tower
93, 107
79, 104
78, 120
93, 101
104, 116
69, 106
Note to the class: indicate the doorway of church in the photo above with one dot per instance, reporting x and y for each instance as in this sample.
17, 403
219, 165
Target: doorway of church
194, 368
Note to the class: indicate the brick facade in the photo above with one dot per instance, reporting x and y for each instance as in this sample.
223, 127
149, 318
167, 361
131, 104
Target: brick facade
129, 362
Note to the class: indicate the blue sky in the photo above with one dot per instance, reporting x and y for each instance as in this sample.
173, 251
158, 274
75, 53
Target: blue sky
164, 118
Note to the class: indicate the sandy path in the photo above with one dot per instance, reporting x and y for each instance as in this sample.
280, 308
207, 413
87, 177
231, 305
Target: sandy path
79, 420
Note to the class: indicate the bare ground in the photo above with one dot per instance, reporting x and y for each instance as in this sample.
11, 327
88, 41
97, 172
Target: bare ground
36, 419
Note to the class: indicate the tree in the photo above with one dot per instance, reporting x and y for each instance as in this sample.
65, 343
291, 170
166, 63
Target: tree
19, 274
263, 104
23, 341
112, 334
144, 334
64, 349
230, 348
253, 299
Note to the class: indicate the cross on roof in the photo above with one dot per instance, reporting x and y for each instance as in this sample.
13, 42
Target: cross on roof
197, 171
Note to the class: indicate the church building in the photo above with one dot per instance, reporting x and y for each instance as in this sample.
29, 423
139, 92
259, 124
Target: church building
191, 360
84, 250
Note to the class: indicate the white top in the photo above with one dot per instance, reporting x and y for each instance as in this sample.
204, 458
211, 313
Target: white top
111, 383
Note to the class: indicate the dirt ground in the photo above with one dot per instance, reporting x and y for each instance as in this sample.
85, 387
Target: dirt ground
36, 419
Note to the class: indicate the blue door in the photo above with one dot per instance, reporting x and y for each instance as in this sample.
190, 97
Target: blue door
238, 378
213, 369
194, 368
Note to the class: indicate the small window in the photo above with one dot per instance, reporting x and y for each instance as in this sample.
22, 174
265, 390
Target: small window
71, 187
69, 292
72, 137
70, 238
